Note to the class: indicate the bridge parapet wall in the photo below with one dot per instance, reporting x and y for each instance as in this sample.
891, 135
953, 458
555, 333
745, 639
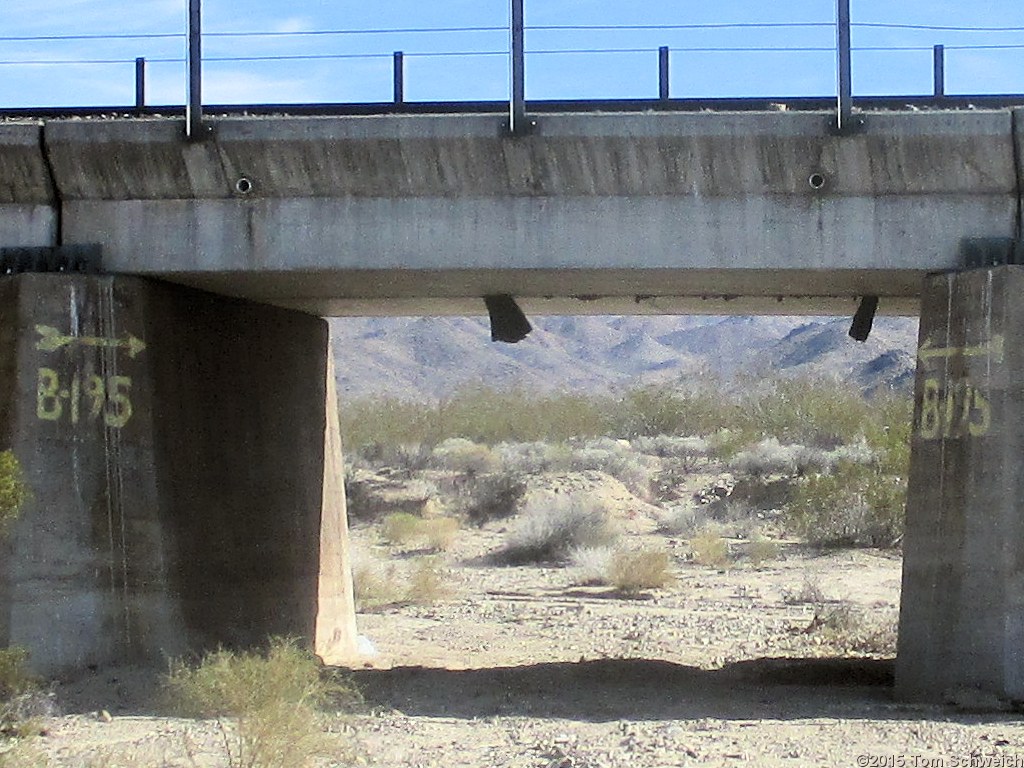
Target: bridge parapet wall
614, 155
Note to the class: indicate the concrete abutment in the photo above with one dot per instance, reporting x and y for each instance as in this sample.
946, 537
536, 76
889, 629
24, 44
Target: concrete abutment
184, 460
962, 605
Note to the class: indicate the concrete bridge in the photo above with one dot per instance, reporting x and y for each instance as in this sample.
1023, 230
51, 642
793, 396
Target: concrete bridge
175, 413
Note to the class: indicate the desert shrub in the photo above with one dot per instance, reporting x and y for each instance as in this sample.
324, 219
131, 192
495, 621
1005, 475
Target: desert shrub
710, 549
13, 491
847, 628
670, 446
770, 457
552, 525
272, 700
662, 409
438, 533
374, 582
685, 520
617, 459
591, 565
533, 457
636, 570
458, 454
22, 700
427, 582
493, 497
377, 583
853, 506
808, 593
761, 550
400, 528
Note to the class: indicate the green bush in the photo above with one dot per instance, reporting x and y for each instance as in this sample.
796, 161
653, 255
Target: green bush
854, 506
13, 491
271, 699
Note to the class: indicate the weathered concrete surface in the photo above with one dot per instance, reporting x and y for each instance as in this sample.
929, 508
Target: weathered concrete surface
28, 213
962, 605
650, 212
174, 442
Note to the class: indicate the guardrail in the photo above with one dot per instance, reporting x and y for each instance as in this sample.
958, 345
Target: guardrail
516, 52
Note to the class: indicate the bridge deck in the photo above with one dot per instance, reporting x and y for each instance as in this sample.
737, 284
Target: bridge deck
657, 211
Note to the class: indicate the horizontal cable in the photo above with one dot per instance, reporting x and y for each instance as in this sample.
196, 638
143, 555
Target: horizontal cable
537, 52
540, 27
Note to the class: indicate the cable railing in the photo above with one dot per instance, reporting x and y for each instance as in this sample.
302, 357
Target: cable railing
555, 42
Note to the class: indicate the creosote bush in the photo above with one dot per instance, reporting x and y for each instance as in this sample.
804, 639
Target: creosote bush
268, 703
852, 506
494, 497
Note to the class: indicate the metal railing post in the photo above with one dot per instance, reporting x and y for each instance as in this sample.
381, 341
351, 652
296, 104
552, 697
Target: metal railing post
517, 98
844, 121
663, 73
140, 82
194, 109
399, 77
939, 70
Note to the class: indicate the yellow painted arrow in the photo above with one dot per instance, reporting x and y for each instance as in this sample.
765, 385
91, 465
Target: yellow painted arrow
992, 348
51, 339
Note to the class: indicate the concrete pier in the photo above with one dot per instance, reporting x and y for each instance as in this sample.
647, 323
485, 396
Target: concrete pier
183, 456
962, 607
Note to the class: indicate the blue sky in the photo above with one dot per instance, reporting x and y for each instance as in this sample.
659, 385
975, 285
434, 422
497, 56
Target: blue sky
464, 77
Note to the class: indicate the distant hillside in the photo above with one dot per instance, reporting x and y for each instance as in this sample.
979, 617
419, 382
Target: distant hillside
428, 358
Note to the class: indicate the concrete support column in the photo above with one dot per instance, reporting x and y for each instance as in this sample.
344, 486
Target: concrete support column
183, 456
962, 607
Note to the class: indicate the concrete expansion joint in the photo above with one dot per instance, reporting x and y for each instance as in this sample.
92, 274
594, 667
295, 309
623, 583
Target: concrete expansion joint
58, 197
1017, 143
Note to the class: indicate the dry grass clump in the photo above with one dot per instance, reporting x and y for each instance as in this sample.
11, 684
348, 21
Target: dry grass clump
848, 629
457, 454
762, 549
808, 593
267, 703
438, 533
404, 529
710, 549
427, 582
591, 565
377, 583
400, 528
374, 582
22, 698
634, 571
552, 525
685, 520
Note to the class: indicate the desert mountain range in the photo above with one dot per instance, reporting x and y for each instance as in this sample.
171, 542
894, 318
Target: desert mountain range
425, 358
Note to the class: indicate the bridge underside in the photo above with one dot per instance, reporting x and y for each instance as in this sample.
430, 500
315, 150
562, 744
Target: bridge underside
376, 292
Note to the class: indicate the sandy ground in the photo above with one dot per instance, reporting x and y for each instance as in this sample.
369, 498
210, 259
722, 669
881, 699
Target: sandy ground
521, 667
